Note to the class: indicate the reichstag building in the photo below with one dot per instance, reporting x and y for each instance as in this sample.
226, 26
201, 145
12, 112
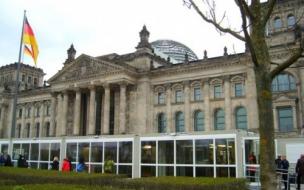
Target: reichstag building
157, 111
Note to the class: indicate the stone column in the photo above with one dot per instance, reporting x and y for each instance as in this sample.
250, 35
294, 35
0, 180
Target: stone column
32, 128
22, 122
42, 127
275, 119
59, 115
122, 107
106, 109
92, 111
77, 104
64, 113
168, 111
53, 113
187, 107
228, 113
207, 105
1, 120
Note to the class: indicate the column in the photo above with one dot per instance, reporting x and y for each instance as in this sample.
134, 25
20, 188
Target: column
77, 104
64, 113
92, 111
59, 115
207, 112
168, 111
32, 128
275, 119
1, 120
228, 114
106, 109
187, 107
42, 113
122, 107
53, 118
22, 122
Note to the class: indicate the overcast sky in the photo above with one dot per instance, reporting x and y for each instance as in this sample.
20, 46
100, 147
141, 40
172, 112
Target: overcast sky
98, 27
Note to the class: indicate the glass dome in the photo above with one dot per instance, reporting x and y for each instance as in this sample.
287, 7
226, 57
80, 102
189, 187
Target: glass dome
175, 50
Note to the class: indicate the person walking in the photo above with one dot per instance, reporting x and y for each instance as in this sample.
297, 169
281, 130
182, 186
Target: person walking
81, 165
55, 163
66, 167
300, 170
284, 170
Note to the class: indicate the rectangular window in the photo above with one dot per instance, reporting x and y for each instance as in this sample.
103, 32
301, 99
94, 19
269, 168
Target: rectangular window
20, 113
35, 81
218, 91
161, 98
29, 80
285, 119
178, 96
37, 129
197, 94
38, 111
48, 110
28, 112
28, 128
23, 78
238, 90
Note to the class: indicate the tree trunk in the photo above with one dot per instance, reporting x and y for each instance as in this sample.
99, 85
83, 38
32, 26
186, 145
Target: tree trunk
266, 129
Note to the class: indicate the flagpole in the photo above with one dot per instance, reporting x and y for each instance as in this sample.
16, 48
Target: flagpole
13, 128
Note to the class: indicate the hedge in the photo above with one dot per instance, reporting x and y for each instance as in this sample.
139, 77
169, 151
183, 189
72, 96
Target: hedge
23, 176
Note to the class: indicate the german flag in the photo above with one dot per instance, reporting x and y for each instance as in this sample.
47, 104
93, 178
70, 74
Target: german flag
29, 40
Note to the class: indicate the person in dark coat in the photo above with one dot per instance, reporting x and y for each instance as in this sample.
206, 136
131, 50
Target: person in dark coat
7, 160
55, 163
21, 163
300, 171
278, 163
284, 170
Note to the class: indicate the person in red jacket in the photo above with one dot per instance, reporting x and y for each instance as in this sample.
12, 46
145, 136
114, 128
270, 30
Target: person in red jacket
66, 167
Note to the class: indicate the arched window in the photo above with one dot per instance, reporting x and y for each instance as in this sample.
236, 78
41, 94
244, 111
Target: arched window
241, 118
199, 121
161, 121
283, 82
37, 129
291, 21
219, 119
179, 122
277, 23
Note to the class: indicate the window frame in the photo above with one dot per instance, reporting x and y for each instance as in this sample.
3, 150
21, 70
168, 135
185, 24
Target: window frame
218, 118
179, 122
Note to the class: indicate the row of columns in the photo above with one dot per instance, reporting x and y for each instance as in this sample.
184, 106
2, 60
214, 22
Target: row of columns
62, 111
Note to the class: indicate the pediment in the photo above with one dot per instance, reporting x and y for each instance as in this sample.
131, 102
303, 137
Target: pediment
85, 67
283, 97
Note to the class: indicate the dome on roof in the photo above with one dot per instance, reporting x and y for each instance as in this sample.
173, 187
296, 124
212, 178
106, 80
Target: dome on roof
175, 50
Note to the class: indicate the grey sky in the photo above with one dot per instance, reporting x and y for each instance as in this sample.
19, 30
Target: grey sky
98, 27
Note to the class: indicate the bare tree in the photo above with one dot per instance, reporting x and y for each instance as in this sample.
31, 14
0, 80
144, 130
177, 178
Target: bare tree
255, 15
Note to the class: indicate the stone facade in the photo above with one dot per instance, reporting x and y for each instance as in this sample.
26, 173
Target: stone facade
126, 94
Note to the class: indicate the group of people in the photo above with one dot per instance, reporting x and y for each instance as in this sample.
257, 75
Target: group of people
67, 165
282, 166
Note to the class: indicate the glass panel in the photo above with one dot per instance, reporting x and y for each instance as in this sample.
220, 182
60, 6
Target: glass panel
71, 151
4, 148
83, 151
238, 89
221, 151
34, 151
285, 119
179, 122
217, 91
125, 152
241, 118
33, 165
184, 171
252, 151
252, 173
204, 151
96, 168
96, 152
165, 171
231, 151
199, 121
219, 120
127, 170
16, 151
165, 152
148, 171
291, 21
111, 151
184, 152
148, 152
204, 172
225, 172
161, 98
197, 93
178, 96
55, 151
277, 23
44, 166
44, 151
161, 123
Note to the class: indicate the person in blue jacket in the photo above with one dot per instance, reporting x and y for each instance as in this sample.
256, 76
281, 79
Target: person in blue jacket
81, 167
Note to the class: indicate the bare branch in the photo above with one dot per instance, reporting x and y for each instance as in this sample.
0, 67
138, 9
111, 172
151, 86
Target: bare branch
270, 5
247, 10
246, 33
292, 59
214, 23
